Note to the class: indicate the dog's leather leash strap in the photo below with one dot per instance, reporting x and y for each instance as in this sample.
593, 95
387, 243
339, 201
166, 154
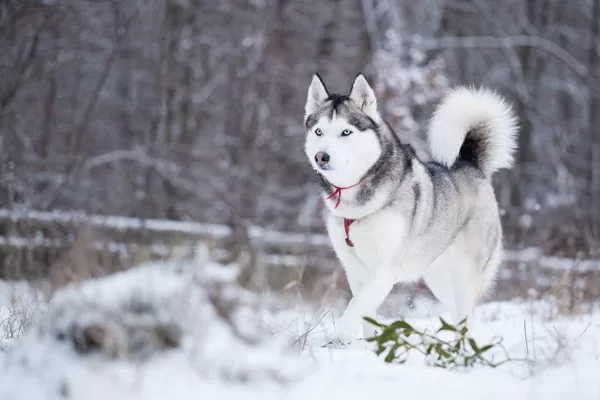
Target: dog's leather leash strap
347, 223
338, 192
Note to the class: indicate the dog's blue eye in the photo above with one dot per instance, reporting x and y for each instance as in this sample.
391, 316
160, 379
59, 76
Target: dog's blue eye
346, 132
318, 132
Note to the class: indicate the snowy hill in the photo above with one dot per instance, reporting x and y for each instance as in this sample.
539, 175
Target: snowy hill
186, 331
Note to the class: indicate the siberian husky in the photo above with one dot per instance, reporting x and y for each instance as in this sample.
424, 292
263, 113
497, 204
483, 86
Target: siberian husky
395, 218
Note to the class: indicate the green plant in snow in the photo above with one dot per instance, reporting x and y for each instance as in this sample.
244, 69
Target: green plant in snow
399, 338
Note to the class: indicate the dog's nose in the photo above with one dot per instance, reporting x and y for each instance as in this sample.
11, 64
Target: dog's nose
321, 158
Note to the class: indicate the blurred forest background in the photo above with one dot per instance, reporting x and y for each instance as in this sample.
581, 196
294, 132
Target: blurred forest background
192, 109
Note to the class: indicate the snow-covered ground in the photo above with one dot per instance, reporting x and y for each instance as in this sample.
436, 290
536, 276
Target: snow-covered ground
186, 331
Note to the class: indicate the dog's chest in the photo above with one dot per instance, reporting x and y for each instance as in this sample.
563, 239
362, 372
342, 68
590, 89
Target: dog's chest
376, 238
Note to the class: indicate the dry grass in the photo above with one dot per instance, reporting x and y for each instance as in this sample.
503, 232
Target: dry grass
19, 313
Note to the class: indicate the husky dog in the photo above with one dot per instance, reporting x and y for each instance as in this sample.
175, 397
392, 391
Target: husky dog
394, 218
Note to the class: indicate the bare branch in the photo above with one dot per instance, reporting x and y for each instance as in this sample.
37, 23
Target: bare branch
491, 42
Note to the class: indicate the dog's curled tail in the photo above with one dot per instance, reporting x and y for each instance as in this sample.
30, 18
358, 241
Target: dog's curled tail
474, 125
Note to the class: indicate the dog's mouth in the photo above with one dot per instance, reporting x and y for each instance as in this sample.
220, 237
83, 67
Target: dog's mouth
325, 167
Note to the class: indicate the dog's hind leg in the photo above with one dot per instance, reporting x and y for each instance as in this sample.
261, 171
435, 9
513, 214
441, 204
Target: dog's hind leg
467, 281
478, 264
459, 278
456, 282
439, 281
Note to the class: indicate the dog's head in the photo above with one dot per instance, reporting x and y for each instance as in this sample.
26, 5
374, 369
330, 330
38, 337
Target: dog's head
342, 140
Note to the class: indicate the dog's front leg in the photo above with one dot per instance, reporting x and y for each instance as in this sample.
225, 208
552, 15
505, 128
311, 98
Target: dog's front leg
364, 303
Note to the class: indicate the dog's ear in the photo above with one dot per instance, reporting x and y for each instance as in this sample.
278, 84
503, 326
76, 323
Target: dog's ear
364, 96
317, 94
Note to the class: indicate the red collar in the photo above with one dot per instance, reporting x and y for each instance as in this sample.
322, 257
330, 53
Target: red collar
347, 222
338, 192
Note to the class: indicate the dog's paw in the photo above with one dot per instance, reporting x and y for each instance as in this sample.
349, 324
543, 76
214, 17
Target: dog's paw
337, 343
340, 340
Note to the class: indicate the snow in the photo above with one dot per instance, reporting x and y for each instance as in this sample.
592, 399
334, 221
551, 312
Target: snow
161, 329
192, 228
533, 255
112, 247
287, 238
268, 346
116, 222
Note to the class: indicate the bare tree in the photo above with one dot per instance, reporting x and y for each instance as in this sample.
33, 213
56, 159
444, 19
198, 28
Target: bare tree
190, 109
